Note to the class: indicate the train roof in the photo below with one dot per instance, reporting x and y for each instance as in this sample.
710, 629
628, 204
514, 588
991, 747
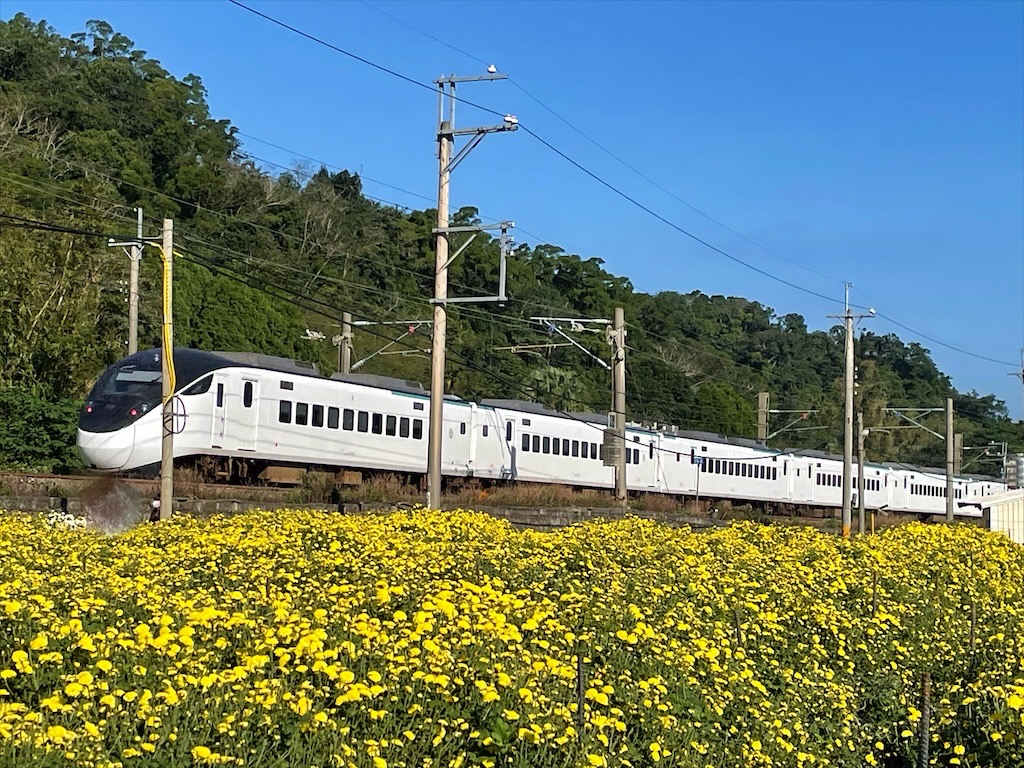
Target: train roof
269, 362
526, 406
383, 382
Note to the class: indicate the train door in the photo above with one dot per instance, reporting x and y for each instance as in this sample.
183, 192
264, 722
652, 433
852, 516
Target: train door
248, 415
509, 470
218, 430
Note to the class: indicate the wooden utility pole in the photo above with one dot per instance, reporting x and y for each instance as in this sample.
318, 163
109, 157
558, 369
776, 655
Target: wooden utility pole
950, 452
848, 374
861, 433
447, 162
345, 345
133, 289
167, 358
619, 403
762, 418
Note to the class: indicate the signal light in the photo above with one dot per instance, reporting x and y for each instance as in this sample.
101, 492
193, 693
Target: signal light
88, 409
134, 412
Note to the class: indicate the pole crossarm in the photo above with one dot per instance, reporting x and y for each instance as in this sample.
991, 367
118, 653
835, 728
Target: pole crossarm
783, 429
576, 324
447, 160
903, 414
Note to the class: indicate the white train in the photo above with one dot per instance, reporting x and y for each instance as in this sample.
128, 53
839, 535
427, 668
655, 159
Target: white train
259, 414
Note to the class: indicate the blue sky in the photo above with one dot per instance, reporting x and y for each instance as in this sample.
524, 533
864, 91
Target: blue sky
880, 143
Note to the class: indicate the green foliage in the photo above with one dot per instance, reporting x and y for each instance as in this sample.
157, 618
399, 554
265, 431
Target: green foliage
38, 434
91, 127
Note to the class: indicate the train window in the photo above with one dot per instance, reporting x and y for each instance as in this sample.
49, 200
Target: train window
600, 452
575, 448
526, 442
775, 475
785, 466
462, 428
377, 424
318, 415
484, 430
220, 395
247, 394
417, 406
417, 429
536, 444
332, 418
636, 439
391, 426
636, 456
585, 450
526, 422
348, 418
284, 412
651, 455
556, 446
629, 456
363, 423
201, 387
287, 385
508, 431
593, 450
302, 413
403, 426
565, 447
546, 447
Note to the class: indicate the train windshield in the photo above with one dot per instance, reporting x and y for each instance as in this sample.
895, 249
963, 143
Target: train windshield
131, 380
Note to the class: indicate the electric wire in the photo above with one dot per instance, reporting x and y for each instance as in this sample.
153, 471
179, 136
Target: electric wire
605, 183
605, 149
556, 151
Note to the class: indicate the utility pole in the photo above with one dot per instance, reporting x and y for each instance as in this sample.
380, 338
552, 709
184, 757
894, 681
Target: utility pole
345, 343
861, 434
958, 453
950, 505
1021, 377
446, 133
762, 418
848, 318
619, 403
167, 358
134, 251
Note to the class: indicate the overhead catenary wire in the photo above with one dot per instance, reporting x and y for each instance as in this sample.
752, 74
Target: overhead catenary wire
598, 178
515, 83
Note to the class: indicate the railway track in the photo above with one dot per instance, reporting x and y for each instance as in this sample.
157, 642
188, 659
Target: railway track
42, 484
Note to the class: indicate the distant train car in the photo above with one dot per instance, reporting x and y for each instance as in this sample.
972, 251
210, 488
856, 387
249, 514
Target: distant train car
250, 416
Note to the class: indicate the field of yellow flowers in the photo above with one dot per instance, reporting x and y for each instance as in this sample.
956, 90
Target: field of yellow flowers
451, 639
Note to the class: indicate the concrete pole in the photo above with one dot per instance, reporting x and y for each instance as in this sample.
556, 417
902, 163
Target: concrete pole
167, 443
950, 501
619, 404
762, 418
861, 522
345, 350
133, 289
848, 429
437, 348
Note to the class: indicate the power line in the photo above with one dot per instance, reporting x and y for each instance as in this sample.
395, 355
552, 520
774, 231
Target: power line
605, 149
934, 340
554, 149
615, 189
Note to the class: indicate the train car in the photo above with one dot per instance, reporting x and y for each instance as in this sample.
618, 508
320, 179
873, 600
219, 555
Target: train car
247, 415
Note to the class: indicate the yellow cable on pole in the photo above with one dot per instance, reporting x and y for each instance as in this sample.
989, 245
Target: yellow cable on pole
166, 339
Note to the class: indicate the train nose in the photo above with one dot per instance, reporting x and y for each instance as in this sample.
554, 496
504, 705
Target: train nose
106, 450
